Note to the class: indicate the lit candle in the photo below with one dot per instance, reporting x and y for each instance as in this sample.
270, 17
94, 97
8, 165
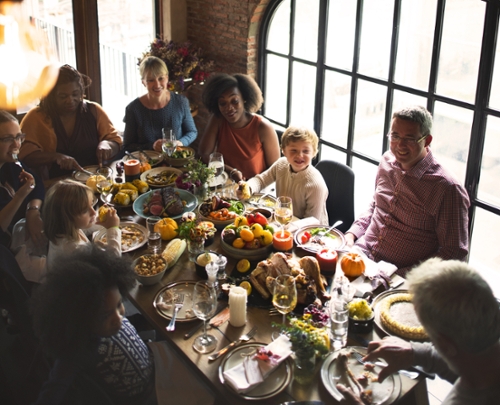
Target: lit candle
282, 240
132, 169
237, 306
327, 259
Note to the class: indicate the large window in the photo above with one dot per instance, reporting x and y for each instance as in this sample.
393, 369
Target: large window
343, 67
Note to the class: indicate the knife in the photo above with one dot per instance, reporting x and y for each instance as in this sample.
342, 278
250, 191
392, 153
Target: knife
363, 342
195, 328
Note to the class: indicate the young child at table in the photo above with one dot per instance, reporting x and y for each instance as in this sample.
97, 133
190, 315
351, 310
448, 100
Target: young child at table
294, 175
67, 212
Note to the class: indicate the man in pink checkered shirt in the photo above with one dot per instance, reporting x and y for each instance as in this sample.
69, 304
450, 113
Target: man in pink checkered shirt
418, 210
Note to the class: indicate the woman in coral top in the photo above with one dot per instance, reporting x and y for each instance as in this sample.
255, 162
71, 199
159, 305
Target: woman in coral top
247, 141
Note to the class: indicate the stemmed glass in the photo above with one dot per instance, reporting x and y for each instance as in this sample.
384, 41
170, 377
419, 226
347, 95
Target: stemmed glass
169, 142
284, 296
204, 305
105, 183
216, 161
283, 212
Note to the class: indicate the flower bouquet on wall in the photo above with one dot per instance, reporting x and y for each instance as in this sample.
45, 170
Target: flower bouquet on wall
185, 62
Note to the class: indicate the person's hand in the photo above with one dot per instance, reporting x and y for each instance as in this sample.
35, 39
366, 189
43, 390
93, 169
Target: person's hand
178, 143
398, 354
157, 145
350, 398
34, 228
112, 219
236, 175
349, 239
104, 151
67, 162
28, 183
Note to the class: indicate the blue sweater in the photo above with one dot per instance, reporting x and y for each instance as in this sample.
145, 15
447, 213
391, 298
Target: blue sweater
143, 126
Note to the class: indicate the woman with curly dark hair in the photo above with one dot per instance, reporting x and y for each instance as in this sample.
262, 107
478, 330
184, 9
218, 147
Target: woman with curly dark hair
247, 141
66, 132
78, 318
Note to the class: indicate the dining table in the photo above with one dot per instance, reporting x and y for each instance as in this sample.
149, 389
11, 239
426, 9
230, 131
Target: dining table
142, 297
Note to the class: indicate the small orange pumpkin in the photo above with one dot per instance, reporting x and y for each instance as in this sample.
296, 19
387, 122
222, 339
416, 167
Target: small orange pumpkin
352, 264
145, 167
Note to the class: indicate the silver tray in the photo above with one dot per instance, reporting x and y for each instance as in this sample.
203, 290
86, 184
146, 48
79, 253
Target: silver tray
167, 294
101, 234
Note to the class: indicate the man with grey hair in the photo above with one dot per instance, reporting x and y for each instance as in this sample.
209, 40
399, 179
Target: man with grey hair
462, 318
418, 210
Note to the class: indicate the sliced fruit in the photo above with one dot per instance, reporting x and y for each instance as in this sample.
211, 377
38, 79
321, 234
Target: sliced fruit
247, 286
243, 266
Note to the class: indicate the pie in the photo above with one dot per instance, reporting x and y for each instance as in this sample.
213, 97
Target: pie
397, 315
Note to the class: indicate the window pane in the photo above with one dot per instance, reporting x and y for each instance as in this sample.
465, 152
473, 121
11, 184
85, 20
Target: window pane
416, 33
279, 31
303, 95
490, 165
460, 49
124, 33
403, 99
483, 253
451, 136
340, 39
364, 185
376, 38
336, 107
328, 153
495, 85
276, 88
369, 121
305, 37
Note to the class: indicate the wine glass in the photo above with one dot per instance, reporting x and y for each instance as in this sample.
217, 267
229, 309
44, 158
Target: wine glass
104, 183
204, 305
216, 161
283, 212
168, 142
284, 296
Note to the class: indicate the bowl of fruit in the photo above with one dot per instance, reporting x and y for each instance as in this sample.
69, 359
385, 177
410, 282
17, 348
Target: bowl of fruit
248, 237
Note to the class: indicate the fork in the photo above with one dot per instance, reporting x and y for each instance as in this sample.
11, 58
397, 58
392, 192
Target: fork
243, 338
359, 357
178, 302
17, 162
323, 233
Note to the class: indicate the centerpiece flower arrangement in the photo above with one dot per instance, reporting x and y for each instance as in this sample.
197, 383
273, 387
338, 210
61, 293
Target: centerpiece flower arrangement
198, 174
185, 62
193, 229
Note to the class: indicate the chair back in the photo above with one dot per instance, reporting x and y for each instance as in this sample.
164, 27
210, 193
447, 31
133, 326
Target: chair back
339, 179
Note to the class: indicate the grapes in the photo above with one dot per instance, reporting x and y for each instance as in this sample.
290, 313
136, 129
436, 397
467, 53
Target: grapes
319, 317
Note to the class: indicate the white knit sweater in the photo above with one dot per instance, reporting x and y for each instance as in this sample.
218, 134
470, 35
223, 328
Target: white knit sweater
307, 188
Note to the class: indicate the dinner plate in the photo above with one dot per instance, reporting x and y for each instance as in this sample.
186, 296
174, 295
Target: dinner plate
384, 393
135, 241
218, 181
108, 199
274, 383
191, 203
178, 162
82, 177
337, 242
262, 200
376, 309
156, 171
164, 301
155, 157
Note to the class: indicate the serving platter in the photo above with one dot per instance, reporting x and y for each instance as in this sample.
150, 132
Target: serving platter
179, 162
274, 383
134, 236
155, 157
336, 240
262, 200
164, 301
384, 393
146, 176
190, 199
82, 177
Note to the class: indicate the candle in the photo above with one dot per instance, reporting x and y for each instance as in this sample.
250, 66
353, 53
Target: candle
237, 306
132, 169
211, 269
327, 259
282, 240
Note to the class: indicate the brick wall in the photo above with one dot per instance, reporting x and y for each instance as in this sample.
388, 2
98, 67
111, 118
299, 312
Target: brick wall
227, 31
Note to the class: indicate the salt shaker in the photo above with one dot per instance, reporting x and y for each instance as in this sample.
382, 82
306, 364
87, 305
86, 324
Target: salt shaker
221, 262
237, 306
211, 269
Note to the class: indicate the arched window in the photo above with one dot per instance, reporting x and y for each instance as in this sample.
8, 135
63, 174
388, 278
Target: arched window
343, 66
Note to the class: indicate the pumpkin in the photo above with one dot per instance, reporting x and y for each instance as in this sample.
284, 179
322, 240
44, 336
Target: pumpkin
145, 166
167, 228
352, 264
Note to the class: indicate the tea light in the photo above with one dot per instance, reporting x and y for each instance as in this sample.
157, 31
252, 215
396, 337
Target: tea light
132, 169
327, 260
282, 240
237, 306
211, 269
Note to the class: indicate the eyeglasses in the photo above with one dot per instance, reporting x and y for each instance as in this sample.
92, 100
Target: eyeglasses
409, 141
10, 139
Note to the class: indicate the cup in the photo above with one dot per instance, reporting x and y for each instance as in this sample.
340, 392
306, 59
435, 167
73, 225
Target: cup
132, 169
211, 268
221, 262
339, 317
154, 238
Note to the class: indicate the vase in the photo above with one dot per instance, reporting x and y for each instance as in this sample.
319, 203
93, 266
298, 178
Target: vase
195, 248
201, 192
304, 367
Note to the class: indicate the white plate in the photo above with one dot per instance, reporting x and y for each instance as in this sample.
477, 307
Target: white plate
156, 171
83, 177
126, 247
337, 242
274, 383
108, 199
218, 181
262, 200
163, 301
384, 393
191, 203
151, 154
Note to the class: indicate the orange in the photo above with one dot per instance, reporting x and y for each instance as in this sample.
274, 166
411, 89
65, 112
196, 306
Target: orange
247, 235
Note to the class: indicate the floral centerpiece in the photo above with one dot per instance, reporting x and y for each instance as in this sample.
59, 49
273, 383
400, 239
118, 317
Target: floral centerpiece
198, 174
193, 229
185, 62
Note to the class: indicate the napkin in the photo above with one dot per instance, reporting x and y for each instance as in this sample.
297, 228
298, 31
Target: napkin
254, 369
296, 225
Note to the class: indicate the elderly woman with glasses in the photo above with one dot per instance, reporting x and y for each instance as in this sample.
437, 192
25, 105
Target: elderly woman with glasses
20, 195
65, 132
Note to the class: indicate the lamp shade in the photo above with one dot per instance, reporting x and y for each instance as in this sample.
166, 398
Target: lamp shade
28, 68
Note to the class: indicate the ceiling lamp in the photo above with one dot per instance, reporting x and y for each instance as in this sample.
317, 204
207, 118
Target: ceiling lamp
28, 68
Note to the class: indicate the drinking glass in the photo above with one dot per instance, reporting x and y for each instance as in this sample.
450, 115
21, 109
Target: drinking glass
204, 305
104, 184
339, 317
154, 238
216, 161
284, 296
283, 212
168, 141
